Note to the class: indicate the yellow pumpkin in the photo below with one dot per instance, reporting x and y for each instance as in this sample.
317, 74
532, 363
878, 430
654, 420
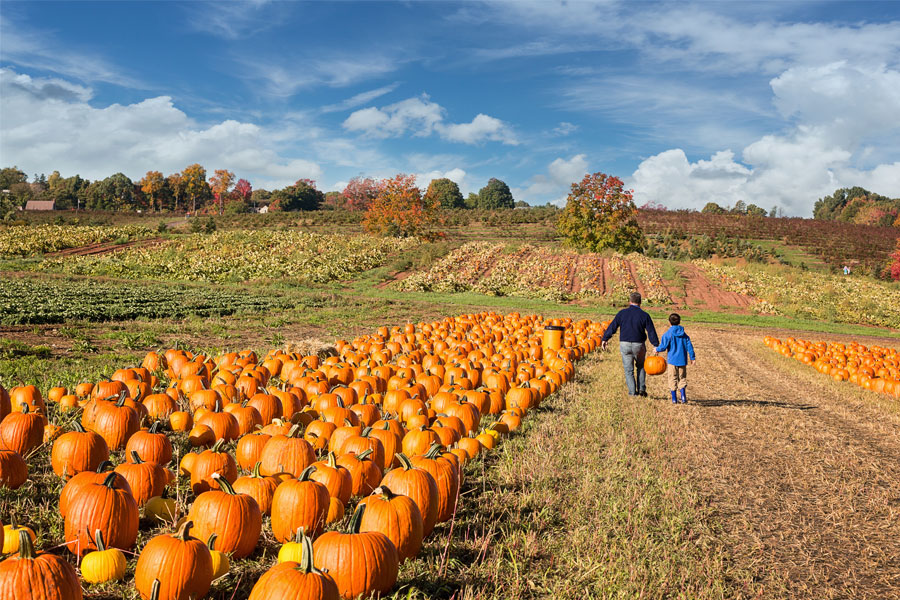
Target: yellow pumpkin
104, 564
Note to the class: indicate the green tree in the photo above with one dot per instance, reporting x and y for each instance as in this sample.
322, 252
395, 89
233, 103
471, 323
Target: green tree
66, 193
10, 176
739, 208
600, 214
175, 183
472, 200
303, 195
445, 192
712, 208
495, 195
756, 211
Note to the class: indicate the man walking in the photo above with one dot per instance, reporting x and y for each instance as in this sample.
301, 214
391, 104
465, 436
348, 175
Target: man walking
637, 327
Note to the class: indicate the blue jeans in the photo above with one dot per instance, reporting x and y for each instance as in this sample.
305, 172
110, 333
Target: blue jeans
633, 354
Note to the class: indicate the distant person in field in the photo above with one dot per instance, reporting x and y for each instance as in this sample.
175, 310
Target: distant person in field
680, 351
846, 269
637, 327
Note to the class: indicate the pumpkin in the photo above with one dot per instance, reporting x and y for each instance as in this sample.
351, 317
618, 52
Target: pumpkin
334, 477
75, 484
335, 511
11, 536
161, 508
419, 485
146, 479
361, 563
260, 488
357, 444
13, 470
235, 518
115, 422
209, 462
22, 431
32, 576
78, 451
286, 453
102, 506
179, 566
365, 474
299, 503
446, 476
201, 435
249, 449
151, 445
296, 580
27, 395
397, 517
224, 425
247, 417
418, 441
104, 564
655, 365
221, 564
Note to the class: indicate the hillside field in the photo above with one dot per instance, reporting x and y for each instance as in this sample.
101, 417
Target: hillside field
778, 479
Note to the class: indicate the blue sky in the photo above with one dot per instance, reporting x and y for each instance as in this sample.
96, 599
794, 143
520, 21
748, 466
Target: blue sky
774, 103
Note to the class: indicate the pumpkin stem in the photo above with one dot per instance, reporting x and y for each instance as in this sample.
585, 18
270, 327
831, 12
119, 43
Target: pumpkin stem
356, 519
104, 466
304, 476
364, 454
98, 539
434, 451
384, 492
121, 400
365, 432
331, 460
211, 542
154, 592
255, 472
26, 548
306, 558
217, 447
405, 464
110, 479
224, 484
154, 428
136, 457
183, 532
295, 430
79, 427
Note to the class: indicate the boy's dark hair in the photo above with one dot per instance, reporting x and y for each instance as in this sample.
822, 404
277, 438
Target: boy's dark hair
674, 319
635, 298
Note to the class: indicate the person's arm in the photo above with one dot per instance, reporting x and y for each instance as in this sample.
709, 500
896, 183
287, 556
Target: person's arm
664, 342
690, 349
610, 331
651, 332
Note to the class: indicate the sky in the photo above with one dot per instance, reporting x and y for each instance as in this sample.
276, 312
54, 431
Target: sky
772, 103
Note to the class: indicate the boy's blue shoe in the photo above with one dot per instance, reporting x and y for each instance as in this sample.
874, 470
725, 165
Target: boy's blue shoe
674, 397
683, 395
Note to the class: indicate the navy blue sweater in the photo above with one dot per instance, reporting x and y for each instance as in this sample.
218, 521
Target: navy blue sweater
633, 322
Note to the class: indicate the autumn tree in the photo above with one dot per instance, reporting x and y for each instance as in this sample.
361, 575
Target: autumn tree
495, 194
445, 192
359, 193
175, 183
400, 210
152, 184
894, 268
220, 184
193, 178
600, 214
712, 208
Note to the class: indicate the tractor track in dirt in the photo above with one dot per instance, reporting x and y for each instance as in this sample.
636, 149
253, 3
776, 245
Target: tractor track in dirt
805, 481
103, 248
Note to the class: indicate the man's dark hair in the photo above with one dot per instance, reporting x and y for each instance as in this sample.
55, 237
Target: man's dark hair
674, 319
635, 298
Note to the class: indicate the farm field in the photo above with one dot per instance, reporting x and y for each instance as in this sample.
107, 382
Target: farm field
775, 481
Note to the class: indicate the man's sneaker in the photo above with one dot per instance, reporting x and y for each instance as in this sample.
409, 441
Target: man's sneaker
643, 393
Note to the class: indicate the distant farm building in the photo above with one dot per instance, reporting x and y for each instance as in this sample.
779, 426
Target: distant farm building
39, 204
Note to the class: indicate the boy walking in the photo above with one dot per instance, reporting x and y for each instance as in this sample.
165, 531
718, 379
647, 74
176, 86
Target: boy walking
680, 351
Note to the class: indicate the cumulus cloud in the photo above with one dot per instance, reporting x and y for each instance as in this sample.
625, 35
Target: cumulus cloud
420, 117
49, 121
835, 109
554, 185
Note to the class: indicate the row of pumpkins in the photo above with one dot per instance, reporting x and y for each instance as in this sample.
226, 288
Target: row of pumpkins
390, 418
874, 368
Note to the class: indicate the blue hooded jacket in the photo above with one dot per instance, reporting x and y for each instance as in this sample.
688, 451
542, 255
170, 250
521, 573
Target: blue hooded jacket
678, 344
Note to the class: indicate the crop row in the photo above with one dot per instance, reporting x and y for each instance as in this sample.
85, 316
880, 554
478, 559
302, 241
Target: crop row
241, 256
812, 295
18, 240
24, 301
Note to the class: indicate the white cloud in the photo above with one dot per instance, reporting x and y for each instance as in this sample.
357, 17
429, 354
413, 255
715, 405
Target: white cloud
231, 20
45, 128
420, 117
836, 107
565, 128
287, 77
554, 186
359, 99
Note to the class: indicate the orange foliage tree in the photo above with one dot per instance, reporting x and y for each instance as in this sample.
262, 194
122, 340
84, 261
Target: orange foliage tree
400, 210
152, 184
894, 269
600, 213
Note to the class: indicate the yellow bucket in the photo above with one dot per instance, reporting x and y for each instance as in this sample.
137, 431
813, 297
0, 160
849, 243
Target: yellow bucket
553, 337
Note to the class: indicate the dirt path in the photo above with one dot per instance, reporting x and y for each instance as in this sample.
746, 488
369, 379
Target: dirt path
805, 479
104, 248
698, 292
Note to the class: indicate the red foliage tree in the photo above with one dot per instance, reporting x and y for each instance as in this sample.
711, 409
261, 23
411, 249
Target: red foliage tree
401, 210
360, 193
895, 266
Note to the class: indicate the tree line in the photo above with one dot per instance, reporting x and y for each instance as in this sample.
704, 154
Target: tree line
222, 193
